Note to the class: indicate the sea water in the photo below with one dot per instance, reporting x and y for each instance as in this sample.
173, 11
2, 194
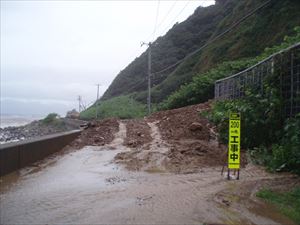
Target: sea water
17, 120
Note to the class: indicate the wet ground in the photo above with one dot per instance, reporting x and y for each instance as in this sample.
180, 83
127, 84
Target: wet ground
86, 187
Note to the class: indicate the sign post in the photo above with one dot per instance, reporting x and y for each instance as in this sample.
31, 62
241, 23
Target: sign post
234, 143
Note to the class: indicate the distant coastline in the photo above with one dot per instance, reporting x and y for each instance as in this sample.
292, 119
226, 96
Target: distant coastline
17, 120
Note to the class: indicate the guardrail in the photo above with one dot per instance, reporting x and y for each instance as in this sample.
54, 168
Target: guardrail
17, 155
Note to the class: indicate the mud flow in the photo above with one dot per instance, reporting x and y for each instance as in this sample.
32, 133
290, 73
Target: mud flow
86, 186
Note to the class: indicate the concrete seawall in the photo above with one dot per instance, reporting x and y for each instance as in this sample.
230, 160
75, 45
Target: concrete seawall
16, 155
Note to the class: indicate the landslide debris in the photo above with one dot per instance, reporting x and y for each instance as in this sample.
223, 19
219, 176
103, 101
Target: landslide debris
177, 141
192, 138
138, 133
183, 141
184, 123
98, 133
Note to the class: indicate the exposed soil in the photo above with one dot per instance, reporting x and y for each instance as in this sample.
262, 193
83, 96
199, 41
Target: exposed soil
97, 134
182, 141
138, 133
176, 124
193, 139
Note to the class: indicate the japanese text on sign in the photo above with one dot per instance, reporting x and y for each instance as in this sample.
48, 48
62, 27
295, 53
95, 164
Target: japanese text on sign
234, 141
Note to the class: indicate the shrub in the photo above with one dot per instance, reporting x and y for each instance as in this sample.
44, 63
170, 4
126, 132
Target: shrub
260, 124
286, 154
202, 87
50, 118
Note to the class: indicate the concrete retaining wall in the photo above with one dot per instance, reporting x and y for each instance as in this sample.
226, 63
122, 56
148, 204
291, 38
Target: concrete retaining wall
16, 155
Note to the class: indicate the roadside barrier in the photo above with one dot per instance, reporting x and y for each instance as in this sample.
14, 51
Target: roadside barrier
16, 155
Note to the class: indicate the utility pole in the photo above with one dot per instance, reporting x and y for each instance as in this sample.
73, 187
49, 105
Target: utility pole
149, 75
79, 103
97, 101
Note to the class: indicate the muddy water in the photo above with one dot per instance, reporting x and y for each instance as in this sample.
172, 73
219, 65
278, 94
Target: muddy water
85, 187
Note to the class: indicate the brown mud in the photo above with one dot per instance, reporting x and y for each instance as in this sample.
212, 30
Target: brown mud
97, 134
183, 141
138, 133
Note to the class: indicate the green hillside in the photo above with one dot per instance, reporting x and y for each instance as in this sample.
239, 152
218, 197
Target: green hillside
265, 28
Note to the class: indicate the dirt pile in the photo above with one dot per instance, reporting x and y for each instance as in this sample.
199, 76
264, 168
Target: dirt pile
184, 123
179, 140
97, 134
138, 133
192, 138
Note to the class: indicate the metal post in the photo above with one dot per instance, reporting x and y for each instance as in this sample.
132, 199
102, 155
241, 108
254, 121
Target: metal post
292, 84
297, 109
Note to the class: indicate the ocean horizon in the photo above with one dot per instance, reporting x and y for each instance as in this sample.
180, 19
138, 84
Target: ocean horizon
9, 120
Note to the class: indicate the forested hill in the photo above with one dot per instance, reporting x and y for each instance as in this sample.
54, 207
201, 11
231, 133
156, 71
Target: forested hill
265, 28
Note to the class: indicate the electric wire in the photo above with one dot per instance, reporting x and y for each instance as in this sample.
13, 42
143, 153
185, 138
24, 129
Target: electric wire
137, 85
156, 19
181, 11
164, 18
167, 14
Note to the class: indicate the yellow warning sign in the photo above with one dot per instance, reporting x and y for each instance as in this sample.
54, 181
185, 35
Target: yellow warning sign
234, 141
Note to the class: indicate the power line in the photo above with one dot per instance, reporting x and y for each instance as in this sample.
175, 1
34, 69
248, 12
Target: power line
215, 38
167, 14
137, 85
156, 18
164, 18
188, 2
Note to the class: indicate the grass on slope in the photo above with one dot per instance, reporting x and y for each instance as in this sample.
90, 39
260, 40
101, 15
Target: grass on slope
122, 107
201, 88
288, 202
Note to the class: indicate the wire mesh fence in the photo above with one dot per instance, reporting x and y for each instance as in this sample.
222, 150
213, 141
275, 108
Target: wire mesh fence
285, 64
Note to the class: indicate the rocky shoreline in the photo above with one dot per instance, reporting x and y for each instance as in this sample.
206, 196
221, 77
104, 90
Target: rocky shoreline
35, 129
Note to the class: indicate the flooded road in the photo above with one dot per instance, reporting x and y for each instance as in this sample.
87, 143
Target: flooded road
86, 187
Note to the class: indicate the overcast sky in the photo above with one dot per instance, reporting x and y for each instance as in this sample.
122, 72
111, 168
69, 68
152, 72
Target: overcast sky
53, 51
